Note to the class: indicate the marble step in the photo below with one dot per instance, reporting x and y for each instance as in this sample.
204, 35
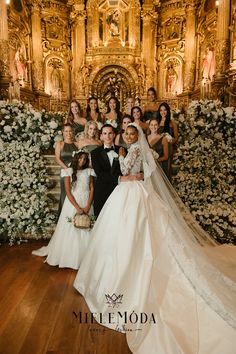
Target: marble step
54, 182
50, 159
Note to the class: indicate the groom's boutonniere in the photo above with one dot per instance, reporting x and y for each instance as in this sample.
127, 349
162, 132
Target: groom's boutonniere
114, 154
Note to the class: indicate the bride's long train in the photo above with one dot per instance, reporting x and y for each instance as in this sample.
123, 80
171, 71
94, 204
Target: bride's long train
149, 252
141, 277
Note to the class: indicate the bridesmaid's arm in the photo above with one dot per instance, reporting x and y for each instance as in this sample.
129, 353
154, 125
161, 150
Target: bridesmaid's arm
67, 182
58, 148
83, 120
165, 150
90, 198
117, 139
175, 130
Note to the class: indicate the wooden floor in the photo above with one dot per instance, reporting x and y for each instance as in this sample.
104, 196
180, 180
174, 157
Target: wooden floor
37, 306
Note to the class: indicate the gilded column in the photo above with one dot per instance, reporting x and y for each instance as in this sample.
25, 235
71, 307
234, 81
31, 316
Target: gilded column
37, 52
78, 51
149, 17
4, 45
222, 39
132, 26
95, 26
190, 47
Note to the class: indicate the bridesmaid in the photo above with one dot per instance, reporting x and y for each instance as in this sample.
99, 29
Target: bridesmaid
63, 154
150, 109
129, 105
74, 118
160, 145
167, 126
137, 117
113, 114
89, 138
93, 113
120, 139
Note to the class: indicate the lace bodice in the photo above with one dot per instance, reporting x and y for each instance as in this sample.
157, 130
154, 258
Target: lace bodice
132, 163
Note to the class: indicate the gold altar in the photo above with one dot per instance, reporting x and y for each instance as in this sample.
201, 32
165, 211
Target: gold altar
53, 51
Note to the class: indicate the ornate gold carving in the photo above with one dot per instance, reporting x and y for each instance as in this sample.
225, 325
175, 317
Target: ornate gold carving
189, 78
171, 5
114, 80
4, 59
149, 15
38, 82
35, 5
54, 6
78, 16
222, 57
55, 29
149, 78
173, 28
78, 87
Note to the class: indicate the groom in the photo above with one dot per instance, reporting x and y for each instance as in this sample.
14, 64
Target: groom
105, 162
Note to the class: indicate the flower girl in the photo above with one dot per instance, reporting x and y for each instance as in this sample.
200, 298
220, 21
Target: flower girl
68, 243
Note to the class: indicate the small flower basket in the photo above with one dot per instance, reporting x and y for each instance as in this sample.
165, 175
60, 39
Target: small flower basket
81, 221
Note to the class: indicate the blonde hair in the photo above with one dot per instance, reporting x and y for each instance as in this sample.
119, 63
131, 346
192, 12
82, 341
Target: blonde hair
84, 135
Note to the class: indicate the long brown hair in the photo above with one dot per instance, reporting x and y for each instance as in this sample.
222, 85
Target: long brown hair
70, 117
74, 164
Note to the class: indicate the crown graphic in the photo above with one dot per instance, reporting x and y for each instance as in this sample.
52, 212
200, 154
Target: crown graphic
114, 300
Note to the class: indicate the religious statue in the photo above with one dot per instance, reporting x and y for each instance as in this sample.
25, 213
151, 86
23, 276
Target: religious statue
85, 71
208, 69
114, 86
171, 79
20, 64
113, 23
56, 80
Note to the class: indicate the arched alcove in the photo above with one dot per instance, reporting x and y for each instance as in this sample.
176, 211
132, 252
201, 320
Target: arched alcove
56, 77
113, 80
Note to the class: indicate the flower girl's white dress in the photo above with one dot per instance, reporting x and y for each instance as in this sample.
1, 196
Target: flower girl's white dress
68, 243
134, 280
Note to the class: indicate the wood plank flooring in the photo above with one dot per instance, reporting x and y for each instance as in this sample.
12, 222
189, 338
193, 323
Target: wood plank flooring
37, 302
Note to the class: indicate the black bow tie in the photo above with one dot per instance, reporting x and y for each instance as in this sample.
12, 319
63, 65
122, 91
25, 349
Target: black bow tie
109, 149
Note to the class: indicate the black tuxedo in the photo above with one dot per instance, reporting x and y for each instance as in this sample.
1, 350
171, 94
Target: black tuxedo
107, 176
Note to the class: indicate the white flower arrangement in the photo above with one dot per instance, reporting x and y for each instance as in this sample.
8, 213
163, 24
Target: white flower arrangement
206, 160
21, 122
24, 206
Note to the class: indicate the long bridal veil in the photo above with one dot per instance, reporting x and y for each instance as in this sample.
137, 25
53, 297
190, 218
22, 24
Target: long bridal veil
206, 265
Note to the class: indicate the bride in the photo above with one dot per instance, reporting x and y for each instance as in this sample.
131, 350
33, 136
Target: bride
151, 272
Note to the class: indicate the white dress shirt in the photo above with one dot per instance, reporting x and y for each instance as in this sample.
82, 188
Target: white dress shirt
111, 154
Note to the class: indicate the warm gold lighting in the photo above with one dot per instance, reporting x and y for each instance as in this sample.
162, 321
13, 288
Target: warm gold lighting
217, 2
8, 2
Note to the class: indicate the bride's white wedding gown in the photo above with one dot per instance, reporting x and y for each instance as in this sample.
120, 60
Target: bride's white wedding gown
68, 244
132, 281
